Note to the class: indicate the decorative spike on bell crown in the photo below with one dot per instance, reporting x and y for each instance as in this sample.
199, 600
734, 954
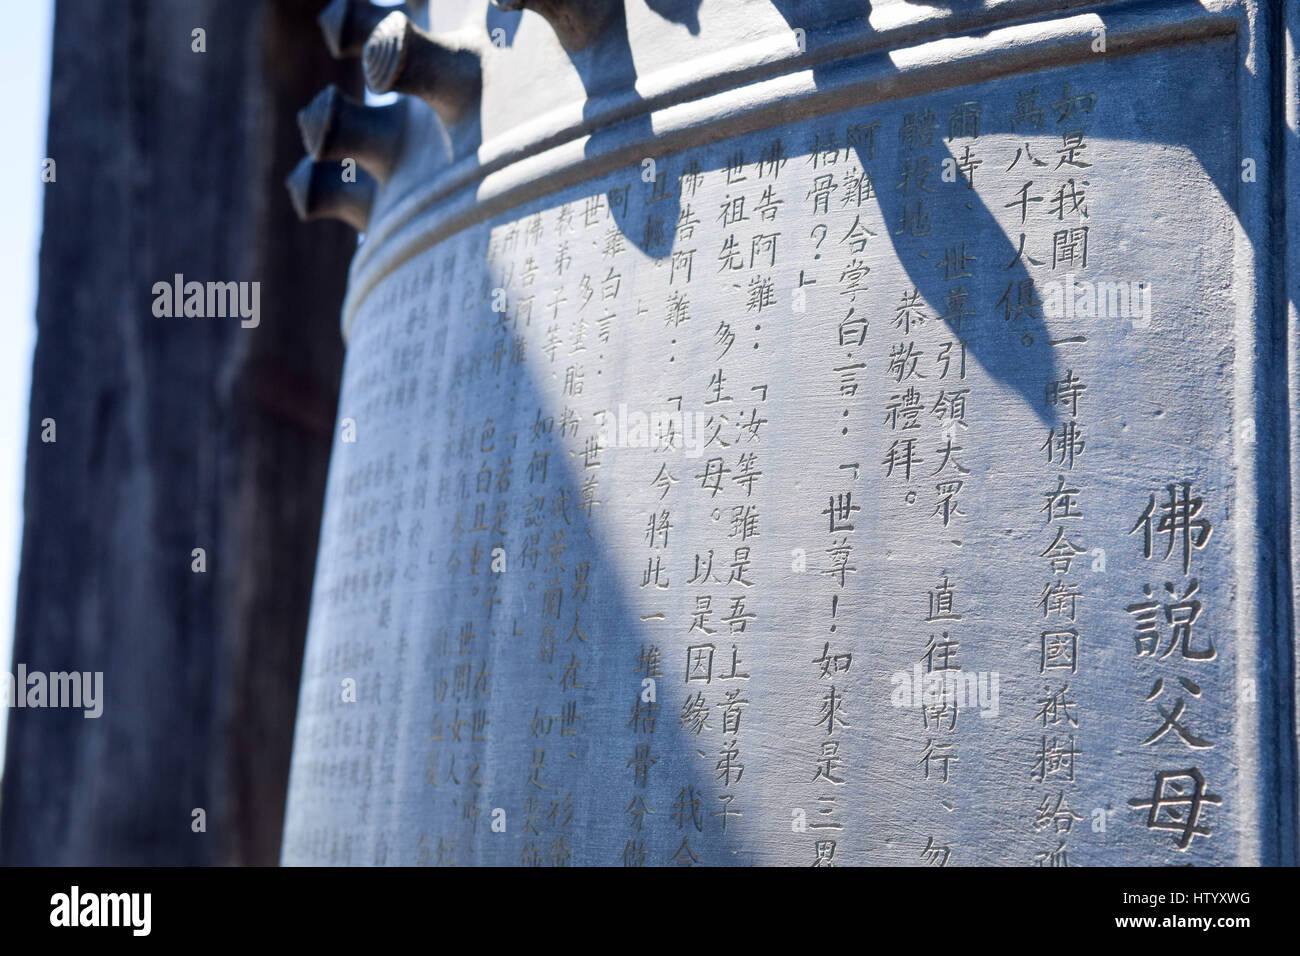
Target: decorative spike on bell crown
401, 57
346, 25
335, 126
319, 191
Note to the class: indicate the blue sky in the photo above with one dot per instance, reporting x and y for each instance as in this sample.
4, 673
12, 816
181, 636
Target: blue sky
24, 100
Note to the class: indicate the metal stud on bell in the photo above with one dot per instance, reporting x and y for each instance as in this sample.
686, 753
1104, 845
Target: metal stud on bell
401, 57
321, 191
346, 25
335, 126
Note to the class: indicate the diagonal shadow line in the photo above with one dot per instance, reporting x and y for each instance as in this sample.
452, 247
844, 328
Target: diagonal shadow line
1016, 352
614, 634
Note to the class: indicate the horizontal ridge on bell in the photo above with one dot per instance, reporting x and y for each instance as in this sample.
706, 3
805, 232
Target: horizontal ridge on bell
400, 57
336, 126
320, 191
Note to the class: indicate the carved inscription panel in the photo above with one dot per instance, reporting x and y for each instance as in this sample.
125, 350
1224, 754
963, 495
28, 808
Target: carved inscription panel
856, 491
